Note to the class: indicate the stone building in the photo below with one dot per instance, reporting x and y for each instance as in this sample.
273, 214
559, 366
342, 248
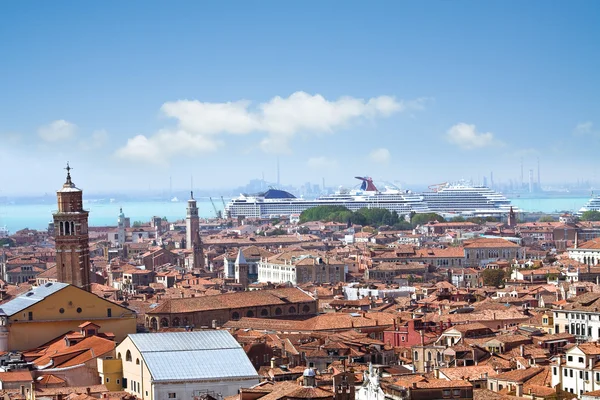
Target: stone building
216, 310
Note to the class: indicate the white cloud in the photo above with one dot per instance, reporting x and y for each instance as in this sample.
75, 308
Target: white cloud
381, 156
467, 137
321, 163
164, 145
57, 131
584, 128
279, 118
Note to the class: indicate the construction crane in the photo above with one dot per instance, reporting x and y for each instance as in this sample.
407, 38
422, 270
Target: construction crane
217, 212
227, 215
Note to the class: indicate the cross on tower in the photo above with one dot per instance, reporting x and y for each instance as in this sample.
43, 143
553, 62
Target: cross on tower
68, 168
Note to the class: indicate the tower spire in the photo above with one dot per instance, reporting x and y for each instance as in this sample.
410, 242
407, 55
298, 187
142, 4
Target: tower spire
68, 168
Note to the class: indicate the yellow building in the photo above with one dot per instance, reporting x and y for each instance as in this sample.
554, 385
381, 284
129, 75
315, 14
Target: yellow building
48, 311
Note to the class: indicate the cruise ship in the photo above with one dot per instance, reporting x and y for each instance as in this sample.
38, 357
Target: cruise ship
449, 200
273, 202
592, 205
467, 200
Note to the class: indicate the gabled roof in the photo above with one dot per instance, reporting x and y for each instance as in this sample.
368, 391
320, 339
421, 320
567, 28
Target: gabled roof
34, 296
189, 356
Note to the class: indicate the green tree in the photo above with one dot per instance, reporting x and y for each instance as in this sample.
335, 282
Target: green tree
590, 215
546, 218
493, 277
7, 242
422, 219
458, 219
137, 224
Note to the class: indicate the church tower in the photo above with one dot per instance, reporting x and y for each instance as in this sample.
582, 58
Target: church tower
241, 269
121, 228
192, 223
71, 236
512, 218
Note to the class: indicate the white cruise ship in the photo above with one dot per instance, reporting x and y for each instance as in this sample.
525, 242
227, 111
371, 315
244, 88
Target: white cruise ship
448, 200
465, 199
593, 204
275, 202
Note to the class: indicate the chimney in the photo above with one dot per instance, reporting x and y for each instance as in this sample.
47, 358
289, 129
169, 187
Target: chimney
88, 391
272, 362
558, 361
522, 349
519, 391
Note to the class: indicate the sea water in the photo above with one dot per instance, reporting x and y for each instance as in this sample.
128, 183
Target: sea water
37, 216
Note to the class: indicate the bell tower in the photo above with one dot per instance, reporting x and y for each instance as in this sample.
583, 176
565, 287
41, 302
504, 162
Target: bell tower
71, 236
192, 223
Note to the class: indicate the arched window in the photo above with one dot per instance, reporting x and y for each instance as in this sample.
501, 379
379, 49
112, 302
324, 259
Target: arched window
153, 324
186, 322
250, 314
278, 311
416, 357
119, 356
292, 310
175, 321
128, 356
264, 312
235, 315
305, 308
164, 323
137, 361
428, 356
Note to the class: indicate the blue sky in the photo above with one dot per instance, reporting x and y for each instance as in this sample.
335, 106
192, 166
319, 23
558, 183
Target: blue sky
415, 92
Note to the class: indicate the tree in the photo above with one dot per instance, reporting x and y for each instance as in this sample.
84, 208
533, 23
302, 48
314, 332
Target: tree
546, 218
590, 215
422, 219
458, 219
493, 277
137, 224
8, 242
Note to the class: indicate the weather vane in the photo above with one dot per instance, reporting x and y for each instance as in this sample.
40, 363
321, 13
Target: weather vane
68, 168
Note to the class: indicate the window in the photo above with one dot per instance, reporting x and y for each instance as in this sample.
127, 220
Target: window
172, 395
264, 312
137, 361
109, 312
403, 339
416, 358
581, 359
118, 381
79, 310
456, 392
587, 376
446, 393
234, 316
555, 370
580, 374
128, 356
565, 372
124, 383
107, 379
62, 311
30, 316
278, 311
569, 358
570, 373
598, 376
250, 314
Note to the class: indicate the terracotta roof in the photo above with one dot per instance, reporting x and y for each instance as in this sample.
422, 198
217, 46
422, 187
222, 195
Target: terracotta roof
255, 298
16, 376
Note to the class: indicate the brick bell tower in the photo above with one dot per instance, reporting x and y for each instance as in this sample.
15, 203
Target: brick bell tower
71, 236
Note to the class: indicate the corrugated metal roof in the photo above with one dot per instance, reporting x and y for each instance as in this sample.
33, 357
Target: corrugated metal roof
193, 355
182, 341
199, 364
32, 297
